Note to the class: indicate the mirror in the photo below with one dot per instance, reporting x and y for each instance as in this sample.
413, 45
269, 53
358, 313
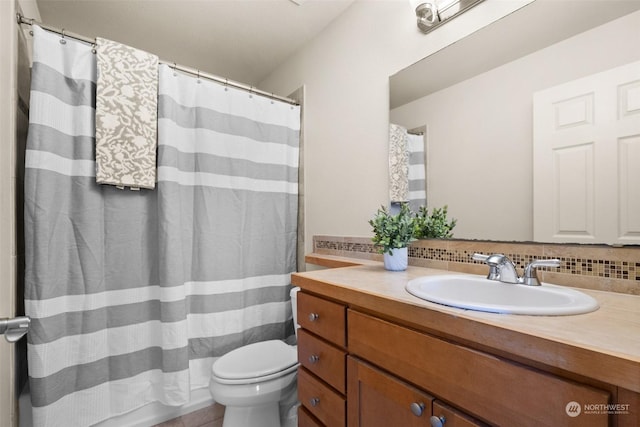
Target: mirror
475, 99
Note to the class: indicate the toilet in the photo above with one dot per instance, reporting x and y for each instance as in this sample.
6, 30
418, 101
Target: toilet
257, 382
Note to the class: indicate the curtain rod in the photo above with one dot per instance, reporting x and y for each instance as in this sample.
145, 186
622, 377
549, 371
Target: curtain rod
195, 72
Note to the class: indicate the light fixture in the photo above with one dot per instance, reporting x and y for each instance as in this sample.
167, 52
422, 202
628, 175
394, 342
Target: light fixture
432, 13
426, 14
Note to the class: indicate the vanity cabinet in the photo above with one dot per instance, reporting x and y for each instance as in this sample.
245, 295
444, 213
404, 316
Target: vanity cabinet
492, 389
361, 370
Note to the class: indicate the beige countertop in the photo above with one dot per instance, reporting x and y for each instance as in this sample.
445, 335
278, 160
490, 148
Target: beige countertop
603, 345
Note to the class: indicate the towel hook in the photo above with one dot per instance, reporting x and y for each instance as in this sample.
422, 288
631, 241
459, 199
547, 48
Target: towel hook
62, 40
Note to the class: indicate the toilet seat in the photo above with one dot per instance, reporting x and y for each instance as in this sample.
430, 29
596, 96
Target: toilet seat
256, 362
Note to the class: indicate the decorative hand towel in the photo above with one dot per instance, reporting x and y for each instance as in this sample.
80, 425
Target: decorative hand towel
126, 116
398, 164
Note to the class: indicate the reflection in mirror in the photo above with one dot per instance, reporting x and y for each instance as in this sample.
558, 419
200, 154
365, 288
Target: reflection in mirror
407, 166
475, 100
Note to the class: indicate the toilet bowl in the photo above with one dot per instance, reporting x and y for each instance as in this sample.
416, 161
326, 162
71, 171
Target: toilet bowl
257, 382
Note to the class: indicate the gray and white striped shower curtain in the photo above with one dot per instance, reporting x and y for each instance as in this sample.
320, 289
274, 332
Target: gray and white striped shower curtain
134, 293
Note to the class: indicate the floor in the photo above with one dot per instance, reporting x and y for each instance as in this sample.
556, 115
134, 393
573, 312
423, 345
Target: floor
211, 416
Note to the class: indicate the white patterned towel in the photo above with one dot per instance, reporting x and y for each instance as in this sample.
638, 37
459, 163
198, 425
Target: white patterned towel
126, 116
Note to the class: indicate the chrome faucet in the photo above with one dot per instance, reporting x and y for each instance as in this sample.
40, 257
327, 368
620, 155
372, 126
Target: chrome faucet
502, 269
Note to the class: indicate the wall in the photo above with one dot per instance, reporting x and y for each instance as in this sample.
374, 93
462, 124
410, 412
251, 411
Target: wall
7, 205
345, 71
496, 113
12, 136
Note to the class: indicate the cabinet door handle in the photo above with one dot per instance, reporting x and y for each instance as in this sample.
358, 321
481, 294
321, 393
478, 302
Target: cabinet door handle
314, 401
417, 408
314, 358
438, 421
313, 317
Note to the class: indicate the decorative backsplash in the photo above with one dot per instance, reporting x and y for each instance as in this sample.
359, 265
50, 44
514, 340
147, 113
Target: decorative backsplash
599, 267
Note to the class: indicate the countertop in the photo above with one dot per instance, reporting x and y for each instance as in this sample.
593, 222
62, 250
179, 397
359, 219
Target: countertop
603, 345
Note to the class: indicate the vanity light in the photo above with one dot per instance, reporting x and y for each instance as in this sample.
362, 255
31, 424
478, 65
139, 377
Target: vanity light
431, 13
426, 14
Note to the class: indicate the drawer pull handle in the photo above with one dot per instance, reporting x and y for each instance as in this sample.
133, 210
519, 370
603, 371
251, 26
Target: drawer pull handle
417, 408
313, 317
314, 358
438, 421
315, 401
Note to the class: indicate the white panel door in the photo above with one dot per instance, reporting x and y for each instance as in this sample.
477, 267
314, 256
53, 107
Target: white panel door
586, 159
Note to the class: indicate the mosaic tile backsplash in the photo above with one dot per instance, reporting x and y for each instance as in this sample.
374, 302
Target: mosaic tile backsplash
598, 267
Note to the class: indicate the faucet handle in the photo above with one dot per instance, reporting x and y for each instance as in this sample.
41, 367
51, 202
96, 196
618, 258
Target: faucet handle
530, 276
493, 267
480, 257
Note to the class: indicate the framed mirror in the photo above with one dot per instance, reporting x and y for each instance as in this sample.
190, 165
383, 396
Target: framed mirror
475, 100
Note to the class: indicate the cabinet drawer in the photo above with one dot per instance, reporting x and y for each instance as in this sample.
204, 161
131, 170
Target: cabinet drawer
320, 400
452, 417
305, 419
490, 388
323, 359
324, 318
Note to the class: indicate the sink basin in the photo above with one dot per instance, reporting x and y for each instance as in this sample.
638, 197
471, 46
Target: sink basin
478, 293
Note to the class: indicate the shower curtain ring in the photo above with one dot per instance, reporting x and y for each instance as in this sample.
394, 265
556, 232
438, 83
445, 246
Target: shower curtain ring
62, 40
226, 83
198, 76
250, 91
175, 67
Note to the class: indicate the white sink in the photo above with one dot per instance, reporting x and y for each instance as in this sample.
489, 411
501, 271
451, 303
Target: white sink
478, 293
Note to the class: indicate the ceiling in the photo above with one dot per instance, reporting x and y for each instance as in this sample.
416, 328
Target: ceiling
242, 40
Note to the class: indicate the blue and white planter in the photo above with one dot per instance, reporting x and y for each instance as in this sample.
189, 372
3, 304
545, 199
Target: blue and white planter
398, 261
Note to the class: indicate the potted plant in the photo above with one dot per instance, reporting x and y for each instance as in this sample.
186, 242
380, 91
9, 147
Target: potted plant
392, 235
434, 225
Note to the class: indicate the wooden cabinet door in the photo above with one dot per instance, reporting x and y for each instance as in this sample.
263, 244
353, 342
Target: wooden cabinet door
451, 417
376, 399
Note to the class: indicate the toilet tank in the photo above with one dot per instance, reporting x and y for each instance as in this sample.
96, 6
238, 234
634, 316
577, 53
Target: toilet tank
294, 308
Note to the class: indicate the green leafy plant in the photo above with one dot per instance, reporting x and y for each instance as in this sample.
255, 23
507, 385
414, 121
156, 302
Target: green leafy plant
392, 231
434, 225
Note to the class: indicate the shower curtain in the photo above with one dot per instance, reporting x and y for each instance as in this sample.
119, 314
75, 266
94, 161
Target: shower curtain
133, 294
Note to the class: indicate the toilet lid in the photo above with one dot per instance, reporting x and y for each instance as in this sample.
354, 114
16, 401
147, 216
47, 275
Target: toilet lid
256, 360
